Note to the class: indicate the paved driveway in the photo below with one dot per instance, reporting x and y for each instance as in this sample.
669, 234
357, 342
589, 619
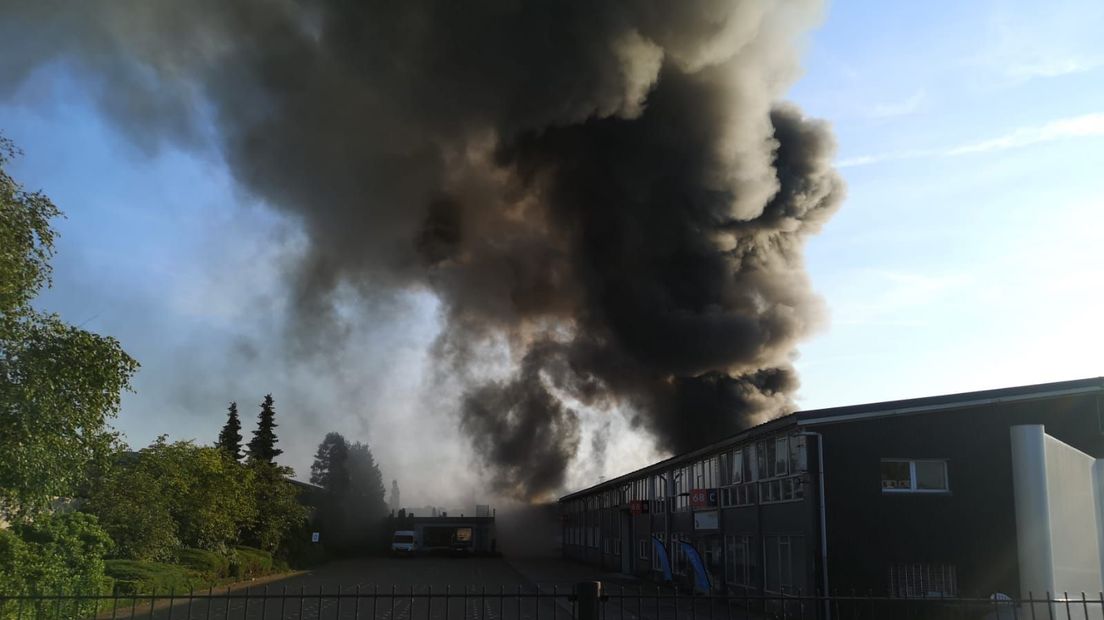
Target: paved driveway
376, 589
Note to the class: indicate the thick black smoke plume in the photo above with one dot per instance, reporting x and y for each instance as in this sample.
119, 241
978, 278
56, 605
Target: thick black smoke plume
610, 190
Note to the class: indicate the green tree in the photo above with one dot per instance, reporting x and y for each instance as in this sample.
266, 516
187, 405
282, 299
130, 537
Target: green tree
212, 497
279, 512
230, 438
128, 497
54, 553
262, 448
330, 469
59, 385
367, 494
353, 505
366, 502
173, 495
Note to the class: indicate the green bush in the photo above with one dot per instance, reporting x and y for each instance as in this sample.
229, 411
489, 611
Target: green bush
137, 577
250, 562
209, 563
54, 554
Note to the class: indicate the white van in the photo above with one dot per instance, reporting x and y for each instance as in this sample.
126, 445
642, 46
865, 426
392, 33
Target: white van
403, 542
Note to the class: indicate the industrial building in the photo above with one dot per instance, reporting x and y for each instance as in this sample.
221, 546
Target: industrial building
444, 532
997, 491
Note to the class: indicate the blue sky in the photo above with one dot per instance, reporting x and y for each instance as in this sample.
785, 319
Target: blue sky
970, 250
968, 254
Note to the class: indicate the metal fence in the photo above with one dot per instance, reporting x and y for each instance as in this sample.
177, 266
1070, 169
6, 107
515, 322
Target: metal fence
587, 601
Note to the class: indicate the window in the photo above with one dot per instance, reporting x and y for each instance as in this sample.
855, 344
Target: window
678, 553
738, 560
656, 564
781, 456
765, 454
682, 489
923, 580
781, 490
738, 495
783, 563
642, 548
738, 466
797, 454
914, 476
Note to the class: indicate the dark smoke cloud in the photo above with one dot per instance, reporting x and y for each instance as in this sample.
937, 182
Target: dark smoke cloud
611, 191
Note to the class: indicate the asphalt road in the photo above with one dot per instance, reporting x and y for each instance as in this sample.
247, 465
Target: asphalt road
426, 588
375, 589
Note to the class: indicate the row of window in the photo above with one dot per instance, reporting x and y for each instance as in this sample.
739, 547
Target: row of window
783, 483
783, 563
777, 457
582, 536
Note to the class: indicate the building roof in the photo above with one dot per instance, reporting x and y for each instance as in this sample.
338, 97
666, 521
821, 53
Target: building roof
851, 413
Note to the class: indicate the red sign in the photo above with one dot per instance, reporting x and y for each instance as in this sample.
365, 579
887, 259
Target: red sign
703, 498
638, 506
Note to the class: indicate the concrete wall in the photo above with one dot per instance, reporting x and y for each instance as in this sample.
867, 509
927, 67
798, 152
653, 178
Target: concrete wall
1058, 512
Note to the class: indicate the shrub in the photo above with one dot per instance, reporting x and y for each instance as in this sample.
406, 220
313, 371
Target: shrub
209, 563
250, 562
138, 577
54, 554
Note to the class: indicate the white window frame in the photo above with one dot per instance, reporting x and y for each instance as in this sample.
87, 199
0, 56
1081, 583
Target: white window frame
655, 556
731, 564
912, 477
783, 563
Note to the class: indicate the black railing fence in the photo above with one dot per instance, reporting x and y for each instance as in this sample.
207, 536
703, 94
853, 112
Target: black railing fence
584, 601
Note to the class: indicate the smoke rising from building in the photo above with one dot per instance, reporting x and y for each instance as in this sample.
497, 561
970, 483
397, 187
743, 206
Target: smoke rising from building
609, 196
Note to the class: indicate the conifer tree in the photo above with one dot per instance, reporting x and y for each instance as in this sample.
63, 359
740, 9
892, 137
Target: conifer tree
230, 438
262, 448
331, 468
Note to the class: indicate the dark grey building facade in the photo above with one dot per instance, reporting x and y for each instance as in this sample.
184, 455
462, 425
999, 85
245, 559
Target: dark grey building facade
934, 496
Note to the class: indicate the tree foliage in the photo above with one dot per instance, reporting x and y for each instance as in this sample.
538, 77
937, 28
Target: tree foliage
59, 385
54, 553
128, 498
353, 505
230, 437
262, 447
173, 495
330, 469
26, 243
367, 495
279, 512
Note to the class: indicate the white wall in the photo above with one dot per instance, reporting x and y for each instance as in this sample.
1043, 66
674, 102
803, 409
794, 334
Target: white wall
1059, 517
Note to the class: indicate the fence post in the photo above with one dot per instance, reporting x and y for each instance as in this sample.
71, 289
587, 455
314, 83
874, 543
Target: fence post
586, 595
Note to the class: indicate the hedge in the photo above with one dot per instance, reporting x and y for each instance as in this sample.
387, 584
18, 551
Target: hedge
209, 563
250, 562
197, 569
137, 577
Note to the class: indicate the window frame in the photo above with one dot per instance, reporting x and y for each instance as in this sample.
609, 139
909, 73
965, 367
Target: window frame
732, 567
912, 477
656, 565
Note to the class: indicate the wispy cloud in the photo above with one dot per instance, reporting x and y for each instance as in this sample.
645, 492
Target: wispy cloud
1073, 127
1087, 125
893, 109
1051, 67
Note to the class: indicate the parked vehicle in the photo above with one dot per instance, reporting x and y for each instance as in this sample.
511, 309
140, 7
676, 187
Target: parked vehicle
404, 542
